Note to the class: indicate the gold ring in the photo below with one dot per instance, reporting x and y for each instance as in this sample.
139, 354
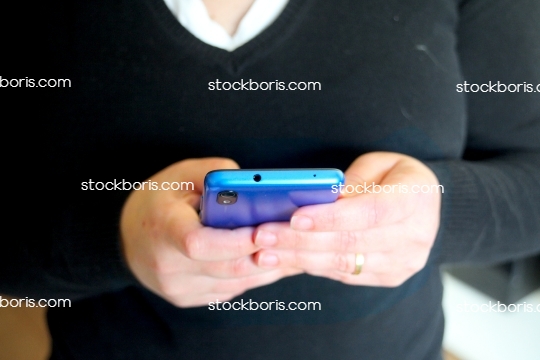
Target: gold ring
358, 263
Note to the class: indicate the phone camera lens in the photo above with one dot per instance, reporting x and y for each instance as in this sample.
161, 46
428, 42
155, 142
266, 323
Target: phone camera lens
227, 197
257, 177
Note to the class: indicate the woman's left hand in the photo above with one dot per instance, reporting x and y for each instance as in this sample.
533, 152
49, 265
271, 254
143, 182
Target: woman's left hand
391, 232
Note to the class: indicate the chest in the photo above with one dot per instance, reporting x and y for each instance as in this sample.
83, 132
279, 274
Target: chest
376, 76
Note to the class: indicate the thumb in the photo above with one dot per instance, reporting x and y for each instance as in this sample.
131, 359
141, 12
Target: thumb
368, 169
194, 170
191, 173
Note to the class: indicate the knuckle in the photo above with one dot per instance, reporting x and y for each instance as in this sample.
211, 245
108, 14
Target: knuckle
295, 241
241, 246
341, 262
192, 245
377, 210
334, 219
150, 263
373, 213
300, 260
160, 268
240, 267
348, 241
328, 219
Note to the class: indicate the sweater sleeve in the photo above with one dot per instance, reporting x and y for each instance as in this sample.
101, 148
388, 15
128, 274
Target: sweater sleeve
71, 250
64, 241
491, 204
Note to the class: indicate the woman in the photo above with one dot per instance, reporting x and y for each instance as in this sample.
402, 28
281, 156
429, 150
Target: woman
389, 110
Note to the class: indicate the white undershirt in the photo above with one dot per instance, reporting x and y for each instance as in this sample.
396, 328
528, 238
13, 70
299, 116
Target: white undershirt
193, 16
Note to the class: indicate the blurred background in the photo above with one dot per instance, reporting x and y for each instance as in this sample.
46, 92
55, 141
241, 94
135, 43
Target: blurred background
473, 334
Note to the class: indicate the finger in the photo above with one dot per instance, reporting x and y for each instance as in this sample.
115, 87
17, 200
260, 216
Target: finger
382, 168
355, 213
306, 260
204, 166
376, 192
194, 170
376, 262
194, 299
369, 168
241, 285
185, 232
363, 279
225, 290
280, 236
230, 269
209, 244
175, 286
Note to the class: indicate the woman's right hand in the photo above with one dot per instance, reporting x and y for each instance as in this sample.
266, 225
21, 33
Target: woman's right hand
171, 253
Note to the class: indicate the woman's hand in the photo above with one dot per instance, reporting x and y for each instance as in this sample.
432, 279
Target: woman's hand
393, 231
173, 255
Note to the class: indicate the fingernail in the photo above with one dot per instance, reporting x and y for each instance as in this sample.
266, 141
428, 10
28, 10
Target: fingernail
299, 222
265, 238
268, 260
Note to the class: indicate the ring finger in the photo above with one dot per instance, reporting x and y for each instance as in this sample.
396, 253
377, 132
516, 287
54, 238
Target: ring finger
374, 262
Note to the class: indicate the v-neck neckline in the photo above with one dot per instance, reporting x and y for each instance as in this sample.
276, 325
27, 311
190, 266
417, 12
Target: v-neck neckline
235, 61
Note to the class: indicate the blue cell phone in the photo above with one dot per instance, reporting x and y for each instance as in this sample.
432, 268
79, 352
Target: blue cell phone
236, 198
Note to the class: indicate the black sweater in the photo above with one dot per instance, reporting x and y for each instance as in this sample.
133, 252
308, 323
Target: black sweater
389, 72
